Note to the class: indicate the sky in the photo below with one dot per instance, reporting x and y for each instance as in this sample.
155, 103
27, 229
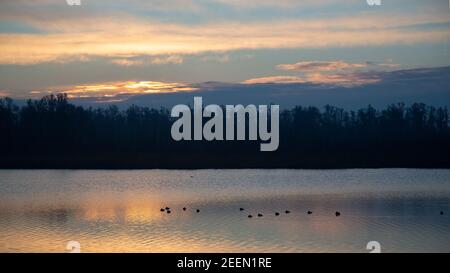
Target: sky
113, 50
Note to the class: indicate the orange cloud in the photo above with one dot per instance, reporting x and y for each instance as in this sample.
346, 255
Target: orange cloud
112, 89
123, 36
352, 79
321, 66
275, 79
127, 62
328, 72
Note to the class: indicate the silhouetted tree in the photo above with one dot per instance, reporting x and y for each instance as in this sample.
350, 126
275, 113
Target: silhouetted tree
53, 133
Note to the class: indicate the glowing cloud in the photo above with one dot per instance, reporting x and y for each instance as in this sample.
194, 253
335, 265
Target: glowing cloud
320, 66
329, 72
351, 79
120, 88
127, 62
275, 79
66, 39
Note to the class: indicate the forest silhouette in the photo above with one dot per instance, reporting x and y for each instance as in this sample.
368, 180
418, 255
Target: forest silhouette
53, 133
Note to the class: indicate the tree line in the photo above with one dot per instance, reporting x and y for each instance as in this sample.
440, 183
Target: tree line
53, 133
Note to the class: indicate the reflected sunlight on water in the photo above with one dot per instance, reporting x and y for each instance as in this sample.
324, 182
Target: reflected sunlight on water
119, 211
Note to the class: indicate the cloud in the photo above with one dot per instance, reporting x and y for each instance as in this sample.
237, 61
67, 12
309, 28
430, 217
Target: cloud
387, 64
112, 89
3, 93
329, 72
429, 86
174, 59
335, 66
321, 66
351, 79
117, 35
127, 62
275, 79
161, 60
217, 58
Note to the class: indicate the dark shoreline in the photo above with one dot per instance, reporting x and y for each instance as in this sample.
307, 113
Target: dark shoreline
191, 163
188, 169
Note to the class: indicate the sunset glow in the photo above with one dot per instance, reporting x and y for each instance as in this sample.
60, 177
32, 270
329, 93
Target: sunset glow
120, 88
109, 48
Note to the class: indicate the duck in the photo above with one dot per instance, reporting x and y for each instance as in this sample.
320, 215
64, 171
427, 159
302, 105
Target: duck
184, 209
167, 208
337, 213
442, 213
277, 213
309, 212
287, 211
168, 211
250, 216
161, 210
241, 209
260, 215
197, 210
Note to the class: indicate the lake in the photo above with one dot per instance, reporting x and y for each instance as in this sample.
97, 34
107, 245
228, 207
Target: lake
119, 211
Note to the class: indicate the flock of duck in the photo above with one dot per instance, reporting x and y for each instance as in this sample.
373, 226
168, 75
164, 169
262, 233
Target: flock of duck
167, 209
337, 213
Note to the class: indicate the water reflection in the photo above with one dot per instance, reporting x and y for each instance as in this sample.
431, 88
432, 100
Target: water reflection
108, 217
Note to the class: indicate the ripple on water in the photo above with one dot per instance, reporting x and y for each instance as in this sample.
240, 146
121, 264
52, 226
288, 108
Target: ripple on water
118, 211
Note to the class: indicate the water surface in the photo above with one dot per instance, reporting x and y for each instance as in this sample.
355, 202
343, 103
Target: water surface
119, 211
